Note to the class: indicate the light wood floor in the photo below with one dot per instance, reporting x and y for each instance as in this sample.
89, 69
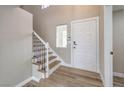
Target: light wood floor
118, 82
69, 77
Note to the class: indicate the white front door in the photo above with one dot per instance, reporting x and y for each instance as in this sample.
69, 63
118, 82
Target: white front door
84, 44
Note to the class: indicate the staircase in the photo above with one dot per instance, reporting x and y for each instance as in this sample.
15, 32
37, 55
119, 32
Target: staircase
45, 61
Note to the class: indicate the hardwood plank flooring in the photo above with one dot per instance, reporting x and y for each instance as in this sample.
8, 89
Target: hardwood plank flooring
118, 82
70, 77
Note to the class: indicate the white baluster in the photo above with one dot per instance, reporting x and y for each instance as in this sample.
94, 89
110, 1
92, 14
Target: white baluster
47, 60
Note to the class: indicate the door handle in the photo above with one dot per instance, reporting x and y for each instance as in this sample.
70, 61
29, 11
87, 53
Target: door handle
111, 52
74, 42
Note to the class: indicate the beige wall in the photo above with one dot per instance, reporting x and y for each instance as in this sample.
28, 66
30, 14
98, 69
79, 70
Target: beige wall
118, 41
45, 22
15, 45
101, 41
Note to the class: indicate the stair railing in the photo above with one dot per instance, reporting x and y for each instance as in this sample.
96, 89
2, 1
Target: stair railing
47, 60
44, 56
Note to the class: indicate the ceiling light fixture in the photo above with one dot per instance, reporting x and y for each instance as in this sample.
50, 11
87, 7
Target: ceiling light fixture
45, 6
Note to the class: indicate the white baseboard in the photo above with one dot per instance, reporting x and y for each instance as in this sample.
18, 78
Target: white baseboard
67, 65
118, 74
72, 66
24, 82
35, 79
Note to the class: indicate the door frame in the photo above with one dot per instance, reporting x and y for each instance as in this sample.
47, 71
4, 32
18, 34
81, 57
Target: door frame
108, 46
97, 50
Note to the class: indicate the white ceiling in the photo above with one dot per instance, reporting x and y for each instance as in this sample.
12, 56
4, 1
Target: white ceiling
118, 7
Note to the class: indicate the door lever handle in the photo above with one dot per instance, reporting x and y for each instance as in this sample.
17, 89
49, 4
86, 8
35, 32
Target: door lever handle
74, 42
111, 52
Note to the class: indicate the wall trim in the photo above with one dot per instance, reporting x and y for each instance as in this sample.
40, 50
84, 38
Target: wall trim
67, 65
72, 66
108, 58
35, 79
118, 74
24, 82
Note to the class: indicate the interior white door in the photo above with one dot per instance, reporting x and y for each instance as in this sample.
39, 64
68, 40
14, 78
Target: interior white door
84, 48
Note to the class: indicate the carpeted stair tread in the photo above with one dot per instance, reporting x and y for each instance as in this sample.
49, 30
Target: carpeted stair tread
52, 57
38, 63
53, 64
39, 49
50, 52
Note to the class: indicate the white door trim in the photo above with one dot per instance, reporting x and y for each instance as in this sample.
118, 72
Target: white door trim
108, 40
88, 19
